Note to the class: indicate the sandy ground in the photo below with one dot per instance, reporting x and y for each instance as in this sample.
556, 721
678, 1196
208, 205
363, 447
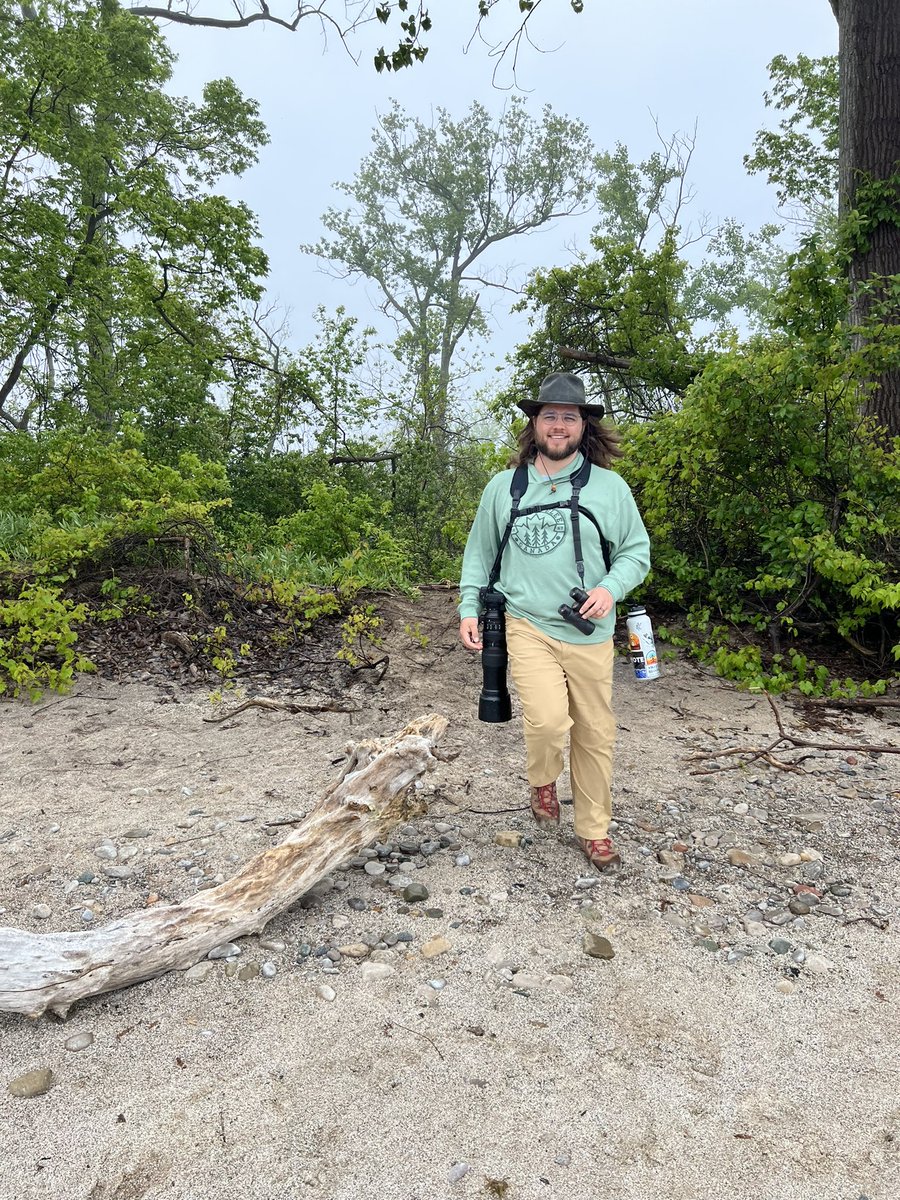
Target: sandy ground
675, 1069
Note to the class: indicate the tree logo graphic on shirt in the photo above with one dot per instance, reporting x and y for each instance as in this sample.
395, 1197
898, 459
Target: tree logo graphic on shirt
539, 533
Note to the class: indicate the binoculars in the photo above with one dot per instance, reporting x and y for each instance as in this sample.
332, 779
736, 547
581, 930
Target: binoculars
570, 614
494, 704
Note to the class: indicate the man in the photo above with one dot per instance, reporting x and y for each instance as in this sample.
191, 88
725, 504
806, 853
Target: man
563, 676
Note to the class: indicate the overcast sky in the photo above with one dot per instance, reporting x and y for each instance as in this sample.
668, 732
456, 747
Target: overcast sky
617, 66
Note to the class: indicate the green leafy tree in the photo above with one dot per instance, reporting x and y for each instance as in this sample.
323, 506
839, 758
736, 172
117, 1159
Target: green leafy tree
117, 259
630, 311
430, 202
800, 157
769, 503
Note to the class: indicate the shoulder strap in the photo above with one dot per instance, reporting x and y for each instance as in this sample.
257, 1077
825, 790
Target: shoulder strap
517, 488
579, 479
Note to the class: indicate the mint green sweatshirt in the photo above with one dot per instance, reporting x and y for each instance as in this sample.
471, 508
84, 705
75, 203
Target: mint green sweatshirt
538, 565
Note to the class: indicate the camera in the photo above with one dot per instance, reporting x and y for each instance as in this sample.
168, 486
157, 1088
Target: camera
494, 704
570, 614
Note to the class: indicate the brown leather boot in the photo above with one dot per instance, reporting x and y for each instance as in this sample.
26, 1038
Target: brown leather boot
600, 852
545, 804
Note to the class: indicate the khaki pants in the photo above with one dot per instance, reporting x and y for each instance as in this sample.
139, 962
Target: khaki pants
562, 687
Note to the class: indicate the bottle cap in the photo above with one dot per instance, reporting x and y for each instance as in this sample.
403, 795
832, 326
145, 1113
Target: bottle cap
637, 610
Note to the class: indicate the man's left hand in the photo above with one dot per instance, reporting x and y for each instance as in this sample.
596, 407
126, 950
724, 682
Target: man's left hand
599, 604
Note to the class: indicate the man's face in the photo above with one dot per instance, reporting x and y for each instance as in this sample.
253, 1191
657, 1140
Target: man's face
557, 430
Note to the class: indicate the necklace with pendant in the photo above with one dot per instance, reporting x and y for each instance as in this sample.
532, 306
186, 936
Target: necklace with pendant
549, 479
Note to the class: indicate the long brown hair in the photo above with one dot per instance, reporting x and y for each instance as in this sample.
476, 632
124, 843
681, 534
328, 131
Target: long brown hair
600, 443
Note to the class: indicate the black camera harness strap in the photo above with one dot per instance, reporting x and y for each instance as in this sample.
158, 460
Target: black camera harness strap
517, 490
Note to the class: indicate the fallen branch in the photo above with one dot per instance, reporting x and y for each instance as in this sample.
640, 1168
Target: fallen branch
41, 971
283, 706
793, 742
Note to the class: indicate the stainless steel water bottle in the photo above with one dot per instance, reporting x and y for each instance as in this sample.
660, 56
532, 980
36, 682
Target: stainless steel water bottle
641, 646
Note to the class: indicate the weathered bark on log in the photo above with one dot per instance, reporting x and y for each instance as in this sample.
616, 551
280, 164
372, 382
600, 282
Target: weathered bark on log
41, 971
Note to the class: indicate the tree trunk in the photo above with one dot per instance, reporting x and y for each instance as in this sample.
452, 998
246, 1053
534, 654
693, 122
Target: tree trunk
40, 971
869, 59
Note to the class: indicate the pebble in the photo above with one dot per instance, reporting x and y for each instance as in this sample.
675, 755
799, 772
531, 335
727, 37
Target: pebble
357, 905
596, 946
779, 945
227, 950
41, 912
779, 917
138, 832
458, 1171
107, 852
275, 944
787, 987
437, 985
325, 992
355, 950
268, 970
31, 1084
680, 884
434, 947
374, 868
247, 972
790, 860
561, 984
742, 858
584, 882
199, 972
374, 972
462, 860
510, 839
87, 916
818, 964
80, 1041
118, 872
415, 892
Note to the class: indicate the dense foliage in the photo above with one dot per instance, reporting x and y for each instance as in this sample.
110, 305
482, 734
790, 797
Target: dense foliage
157, 430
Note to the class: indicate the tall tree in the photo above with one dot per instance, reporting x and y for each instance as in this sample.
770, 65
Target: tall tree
117, 260
431, 203
869, 179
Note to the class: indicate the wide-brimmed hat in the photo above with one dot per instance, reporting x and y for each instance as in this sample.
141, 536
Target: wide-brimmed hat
562, 387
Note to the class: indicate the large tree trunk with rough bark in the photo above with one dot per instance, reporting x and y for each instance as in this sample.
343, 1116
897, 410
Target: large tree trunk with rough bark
869, 59
41, 971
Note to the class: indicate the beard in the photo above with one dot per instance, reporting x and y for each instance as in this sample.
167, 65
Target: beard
556, 449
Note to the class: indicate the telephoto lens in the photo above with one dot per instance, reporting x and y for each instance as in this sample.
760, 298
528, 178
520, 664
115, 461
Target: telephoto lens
569, 614
494, 704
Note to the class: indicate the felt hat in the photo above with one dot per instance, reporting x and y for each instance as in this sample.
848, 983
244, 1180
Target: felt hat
561, 387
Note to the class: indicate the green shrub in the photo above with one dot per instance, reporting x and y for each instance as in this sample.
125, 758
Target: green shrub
771, 504
37, 642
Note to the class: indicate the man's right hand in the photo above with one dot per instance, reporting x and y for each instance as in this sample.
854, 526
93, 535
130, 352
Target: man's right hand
468, 633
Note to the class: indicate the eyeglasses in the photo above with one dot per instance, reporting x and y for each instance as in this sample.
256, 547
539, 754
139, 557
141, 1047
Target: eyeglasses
570, 420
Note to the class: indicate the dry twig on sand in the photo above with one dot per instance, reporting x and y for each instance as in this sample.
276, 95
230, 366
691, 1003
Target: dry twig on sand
284, 706
41, 971
787, 741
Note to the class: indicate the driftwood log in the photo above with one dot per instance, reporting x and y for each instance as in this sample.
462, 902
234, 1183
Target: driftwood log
50, 971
